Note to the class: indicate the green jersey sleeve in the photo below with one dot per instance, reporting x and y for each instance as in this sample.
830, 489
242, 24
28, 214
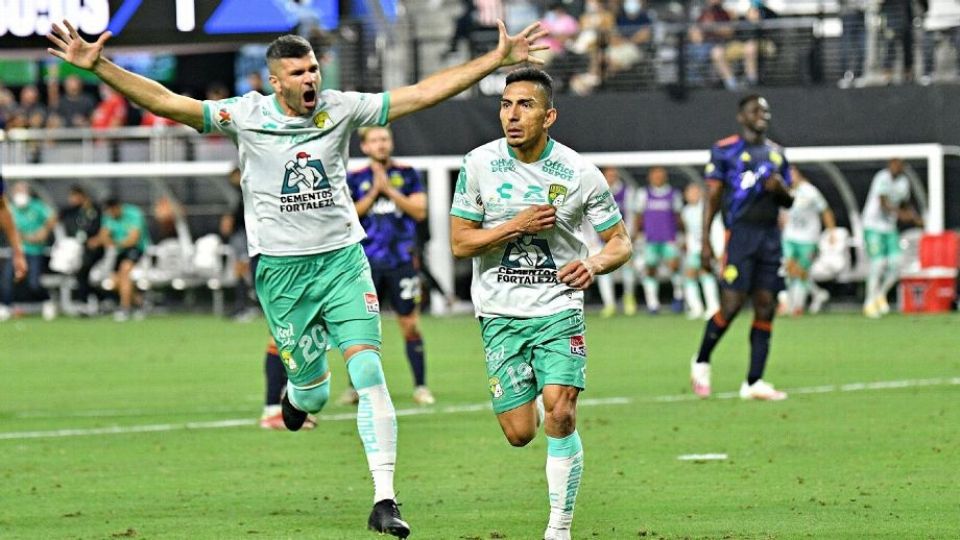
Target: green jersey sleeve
467, 203
599, 206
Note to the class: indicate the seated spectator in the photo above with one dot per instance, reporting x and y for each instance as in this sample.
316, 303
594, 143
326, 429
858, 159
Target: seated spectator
33, 112
111, 112
635, 23
596, 25
81, 220
562, 28
124, 228
8, 104
34, 221
74, 107
754, 39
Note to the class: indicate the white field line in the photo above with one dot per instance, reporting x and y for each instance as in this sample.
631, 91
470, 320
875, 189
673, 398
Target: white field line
702, 457
468, 408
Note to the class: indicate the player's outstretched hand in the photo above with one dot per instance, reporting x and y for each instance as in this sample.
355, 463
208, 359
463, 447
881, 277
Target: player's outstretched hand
536, 218
576, 275
73, 48
517, 48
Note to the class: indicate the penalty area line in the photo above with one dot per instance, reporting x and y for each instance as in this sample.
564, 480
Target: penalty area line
467, 408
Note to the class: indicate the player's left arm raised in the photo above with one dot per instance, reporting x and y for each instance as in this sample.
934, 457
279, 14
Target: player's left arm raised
616, 251
450, 82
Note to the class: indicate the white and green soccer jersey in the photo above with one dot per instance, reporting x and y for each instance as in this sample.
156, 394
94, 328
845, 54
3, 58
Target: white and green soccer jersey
519, 279
692, 217
294, 168
896, 190
803, 218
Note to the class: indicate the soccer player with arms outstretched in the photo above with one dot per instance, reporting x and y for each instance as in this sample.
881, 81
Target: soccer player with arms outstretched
313, 279
748, 178
518, 209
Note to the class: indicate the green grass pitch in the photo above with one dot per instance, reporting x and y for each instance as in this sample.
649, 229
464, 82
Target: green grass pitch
94, 443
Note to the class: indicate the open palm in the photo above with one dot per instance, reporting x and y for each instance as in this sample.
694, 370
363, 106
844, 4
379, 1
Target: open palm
517, 48
74, 49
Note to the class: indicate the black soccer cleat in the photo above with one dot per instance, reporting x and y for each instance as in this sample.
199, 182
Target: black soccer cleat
385, 518
293, 417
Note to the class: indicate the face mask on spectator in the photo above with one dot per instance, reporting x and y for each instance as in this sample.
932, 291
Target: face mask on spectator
20, 199
631, 7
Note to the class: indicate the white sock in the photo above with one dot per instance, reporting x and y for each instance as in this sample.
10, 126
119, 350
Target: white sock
605, 284
564, 468
377, 425
692, 295
873, 281
711, 293
677, 281
651, 291
798, 294
629, 279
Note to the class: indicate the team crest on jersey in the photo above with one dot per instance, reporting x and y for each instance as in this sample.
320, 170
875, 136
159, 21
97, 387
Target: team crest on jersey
578, 345
320, 119
730, 273
556, 195
372, 302
224, 117
496, 390
527, 261
287, 358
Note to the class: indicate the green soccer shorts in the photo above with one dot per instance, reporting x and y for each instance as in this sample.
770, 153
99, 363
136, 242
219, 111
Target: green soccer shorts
656, 252
310, 298
523, 355
801, 252
692, 261
881, 245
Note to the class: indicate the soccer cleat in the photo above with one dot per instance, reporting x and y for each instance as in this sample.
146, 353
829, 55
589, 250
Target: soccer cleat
275, 421
694, 314
700, 377
385, 518
872, 310
761, 391
423, 396
348, 397
629, 305
676, 305
5, 313
556, 534
121, 316
608, 311
293, 418
882, 305
820, 297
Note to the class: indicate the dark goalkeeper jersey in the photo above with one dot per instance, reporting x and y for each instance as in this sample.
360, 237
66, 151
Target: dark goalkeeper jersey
741, 169
391, 234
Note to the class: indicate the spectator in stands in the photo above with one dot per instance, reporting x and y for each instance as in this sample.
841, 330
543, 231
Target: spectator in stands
8, 104
477, 15
112, 110
596, 25
635, 23
167, 214
518, 14
233, 232
710, 36
16, 268
754, 40
33, 112
562, 26
897, 17
35, 222
74, 107
81, 220
124, 228
852, 41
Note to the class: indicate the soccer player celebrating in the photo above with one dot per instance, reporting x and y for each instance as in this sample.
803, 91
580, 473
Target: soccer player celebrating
313, 279
748, 176
693, 270
658, 214
800, 237
390, 201
887, 204
518, 208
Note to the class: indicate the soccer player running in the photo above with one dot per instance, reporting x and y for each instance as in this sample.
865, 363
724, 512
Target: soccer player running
313, 279
390, 201
748, 177
887, 204
518, 208
801, 234
658, 208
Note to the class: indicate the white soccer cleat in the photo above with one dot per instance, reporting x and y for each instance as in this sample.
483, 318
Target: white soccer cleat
820, 298
694, 314
761, 391
49, 310
700, 377
556, 534
5, 313
423, 396
882, 305
871, 310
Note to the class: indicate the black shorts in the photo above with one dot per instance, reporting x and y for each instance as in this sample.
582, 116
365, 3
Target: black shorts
401, 285
128, 254
753, 259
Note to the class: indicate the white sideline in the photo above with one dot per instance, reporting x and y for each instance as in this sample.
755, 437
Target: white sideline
454, 409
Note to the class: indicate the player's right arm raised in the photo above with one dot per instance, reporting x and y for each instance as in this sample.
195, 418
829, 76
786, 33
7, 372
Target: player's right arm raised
146, 93
469, 239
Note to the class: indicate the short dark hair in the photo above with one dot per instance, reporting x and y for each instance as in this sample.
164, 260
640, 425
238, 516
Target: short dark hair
78, 190
288, 46
111, 202
534, 75
746, 100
